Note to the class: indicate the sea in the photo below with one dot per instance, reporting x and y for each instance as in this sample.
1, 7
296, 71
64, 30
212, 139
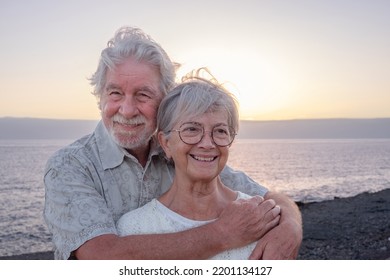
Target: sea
307, 170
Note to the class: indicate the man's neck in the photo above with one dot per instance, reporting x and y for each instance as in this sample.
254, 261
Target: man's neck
141, 153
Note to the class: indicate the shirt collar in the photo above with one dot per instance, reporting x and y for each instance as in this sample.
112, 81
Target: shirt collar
111, 154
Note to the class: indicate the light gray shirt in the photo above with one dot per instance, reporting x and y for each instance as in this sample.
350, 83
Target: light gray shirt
91, 183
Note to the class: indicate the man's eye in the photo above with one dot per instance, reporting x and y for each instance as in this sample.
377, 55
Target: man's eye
143, 96
114, 95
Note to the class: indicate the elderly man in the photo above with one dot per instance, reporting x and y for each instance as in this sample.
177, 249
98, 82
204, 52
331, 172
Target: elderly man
120, 167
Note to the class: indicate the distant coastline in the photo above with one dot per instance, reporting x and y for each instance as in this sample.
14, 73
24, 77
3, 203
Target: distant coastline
316, 129
35, 128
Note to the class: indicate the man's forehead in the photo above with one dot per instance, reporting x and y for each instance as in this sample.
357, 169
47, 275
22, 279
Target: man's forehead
136, 78
126, 74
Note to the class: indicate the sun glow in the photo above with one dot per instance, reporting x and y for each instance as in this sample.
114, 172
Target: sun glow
261, 85
282, 62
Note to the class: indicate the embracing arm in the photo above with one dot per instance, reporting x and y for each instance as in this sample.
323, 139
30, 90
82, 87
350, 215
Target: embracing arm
238, 225
283, 241
191, 244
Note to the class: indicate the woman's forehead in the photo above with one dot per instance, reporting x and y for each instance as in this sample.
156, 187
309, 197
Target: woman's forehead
216, 116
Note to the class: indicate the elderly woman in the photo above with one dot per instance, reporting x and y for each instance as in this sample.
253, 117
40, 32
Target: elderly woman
197, 123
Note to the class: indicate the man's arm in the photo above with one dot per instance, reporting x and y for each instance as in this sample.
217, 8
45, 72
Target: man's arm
243, 222
183, 245
283, 241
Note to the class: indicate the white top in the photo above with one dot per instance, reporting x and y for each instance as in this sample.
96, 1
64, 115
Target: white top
155, 217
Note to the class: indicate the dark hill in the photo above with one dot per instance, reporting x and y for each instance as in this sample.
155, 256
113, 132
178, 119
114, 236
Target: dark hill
31, 128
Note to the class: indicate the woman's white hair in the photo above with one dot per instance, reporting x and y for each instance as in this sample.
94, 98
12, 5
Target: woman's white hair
194, 97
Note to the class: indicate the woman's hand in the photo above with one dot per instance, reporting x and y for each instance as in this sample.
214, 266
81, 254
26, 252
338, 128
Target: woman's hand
247, 220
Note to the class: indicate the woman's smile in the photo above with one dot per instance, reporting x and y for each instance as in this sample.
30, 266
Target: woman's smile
204, 158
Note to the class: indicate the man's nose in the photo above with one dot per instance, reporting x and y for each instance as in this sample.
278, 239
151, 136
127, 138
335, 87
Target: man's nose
129, 107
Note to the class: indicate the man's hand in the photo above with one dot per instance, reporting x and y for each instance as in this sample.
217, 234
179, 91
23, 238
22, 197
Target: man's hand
245, 221
283, 241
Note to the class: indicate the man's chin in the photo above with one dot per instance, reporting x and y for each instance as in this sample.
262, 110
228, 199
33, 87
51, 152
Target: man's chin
130, 141
127, 142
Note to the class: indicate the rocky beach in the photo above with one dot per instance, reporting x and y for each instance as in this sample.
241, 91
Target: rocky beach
355, 228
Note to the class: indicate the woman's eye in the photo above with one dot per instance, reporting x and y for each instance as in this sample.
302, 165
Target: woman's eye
220, 131
191, 128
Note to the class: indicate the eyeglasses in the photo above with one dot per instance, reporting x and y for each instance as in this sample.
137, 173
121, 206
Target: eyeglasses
192, 133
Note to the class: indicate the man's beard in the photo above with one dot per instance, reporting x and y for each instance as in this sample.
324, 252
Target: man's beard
130, 140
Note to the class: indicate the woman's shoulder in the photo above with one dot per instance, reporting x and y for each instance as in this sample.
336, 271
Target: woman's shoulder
241, 195
135, 216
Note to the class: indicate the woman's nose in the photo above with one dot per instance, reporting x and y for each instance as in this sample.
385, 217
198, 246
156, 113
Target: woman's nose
207, 140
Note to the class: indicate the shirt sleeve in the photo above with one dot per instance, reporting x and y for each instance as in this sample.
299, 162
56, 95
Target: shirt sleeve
239, 181
74, 210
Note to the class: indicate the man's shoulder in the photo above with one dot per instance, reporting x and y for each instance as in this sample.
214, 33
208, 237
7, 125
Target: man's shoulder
81, 148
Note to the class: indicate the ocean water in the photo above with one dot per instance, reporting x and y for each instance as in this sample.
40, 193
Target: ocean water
22, 228
315, 170
306, 170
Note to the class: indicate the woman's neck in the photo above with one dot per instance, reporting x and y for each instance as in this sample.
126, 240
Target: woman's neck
198, 200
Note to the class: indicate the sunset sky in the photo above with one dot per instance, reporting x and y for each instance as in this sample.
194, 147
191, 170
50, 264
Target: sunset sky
283, 59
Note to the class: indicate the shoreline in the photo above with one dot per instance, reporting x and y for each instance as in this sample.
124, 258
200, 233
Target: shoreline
354, 228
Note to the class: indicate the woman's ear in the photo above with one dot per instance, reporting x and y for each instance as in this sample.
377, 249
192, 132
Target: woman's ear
163, 139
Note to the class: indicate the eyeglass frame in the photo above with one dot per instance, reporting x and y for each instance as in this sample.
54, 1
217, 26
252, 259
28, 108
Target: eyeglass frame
231, 129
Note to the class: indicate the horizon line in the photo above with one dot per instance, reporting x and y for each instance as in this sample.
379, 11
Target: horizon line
248, 120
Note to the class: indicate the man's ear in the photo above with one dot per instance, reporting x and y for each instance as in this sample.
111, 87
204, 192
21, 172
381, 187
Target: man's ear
163, 139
